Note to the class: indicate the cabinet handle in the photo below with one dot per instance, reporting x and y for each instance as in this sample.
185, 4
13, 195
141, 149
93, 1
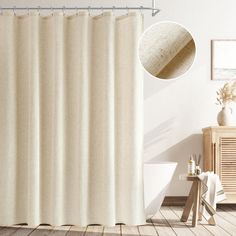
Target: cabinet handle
214, 157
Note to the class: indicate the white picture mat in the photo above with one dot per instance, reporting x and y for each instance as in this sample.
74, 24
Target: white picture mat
224, 59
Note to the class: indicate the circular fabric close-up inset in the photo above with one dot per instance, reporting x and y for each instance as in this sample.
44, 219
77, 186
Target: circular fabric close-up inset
166, 50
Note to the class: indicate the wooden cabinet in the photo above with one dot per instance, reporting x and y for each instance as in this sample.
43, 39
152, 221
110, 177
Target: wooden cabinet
219, 150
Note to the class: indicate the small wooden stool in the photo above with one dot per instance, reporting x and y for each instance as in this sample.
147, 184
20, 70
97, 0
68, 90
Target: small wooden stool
194, 201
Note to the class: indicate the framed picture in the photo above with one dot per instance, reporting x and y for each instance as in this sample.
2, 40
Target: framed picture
223, 59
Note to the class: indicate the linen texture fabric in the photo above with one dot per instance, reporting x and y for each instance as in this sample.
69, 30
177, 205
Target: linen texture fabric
70, 119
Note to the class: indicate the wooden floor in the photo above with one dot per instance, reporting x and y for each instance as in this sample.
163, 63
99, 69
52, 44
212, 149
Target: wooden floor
166, 223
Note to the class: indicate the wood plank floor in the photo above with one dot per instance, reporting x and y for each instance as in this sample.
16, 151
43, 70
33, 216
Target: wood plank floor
165, 223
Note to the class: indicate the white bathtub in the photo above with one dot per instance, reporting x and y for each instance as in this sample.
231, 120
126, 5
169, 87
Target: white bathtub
157, 177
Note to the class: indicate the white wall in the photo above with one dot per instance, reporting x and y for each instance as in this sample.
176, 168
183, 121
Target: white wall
176, 111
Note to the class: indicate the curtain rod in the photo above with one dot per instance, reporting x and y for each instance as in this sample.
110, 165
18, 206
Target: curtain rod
153, 8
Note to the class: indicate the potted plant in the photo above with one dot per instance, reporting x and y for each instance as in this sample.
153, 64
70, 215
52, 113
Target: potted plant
225, 96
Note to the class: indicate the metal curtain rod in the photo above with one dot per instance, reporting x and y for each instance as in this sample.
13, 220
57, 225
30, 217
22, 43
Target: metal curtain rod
153, 8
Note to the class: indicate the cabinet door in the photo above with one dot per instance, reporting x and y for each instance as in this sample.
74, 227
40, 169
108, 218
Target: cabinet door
226, 163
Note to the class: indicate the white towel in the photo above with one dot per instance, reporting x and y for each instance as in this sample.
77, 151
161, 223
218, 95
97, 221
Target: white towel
212, 193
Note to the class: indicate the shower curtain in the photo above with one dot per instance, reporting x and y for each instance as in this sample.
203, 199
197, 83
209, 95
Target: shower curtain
70, 119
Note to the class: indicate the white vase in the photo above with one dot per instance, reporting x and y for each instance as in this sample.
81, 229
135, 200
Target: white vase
225, 116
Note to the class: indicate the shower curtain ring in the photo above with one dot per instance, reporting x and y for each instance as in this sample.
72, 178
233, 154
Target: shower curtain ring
141, 9
14, 10
113, 9
127, 10
63, 10
38, 10
89, 10
52, 10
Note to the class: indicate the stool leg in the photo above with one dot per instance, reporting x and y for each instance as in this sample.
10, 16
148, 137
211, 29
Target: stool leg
211, 221
196, 204
189, 203
200, 202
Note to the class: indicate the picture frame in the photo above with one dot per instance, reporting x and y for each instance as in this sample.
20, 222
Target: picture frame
223, 59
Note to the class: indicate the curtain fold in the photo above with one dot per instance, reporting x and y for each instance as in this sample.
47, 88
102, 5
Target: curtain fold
70, 119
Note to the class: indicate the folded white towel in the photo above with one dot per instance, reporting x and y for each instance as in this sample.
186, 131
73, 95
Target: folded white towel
212, 193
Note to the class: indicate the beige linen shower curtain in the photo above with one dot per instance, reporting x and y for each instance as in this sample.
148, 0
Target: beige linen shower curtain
70, 119
167, 50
